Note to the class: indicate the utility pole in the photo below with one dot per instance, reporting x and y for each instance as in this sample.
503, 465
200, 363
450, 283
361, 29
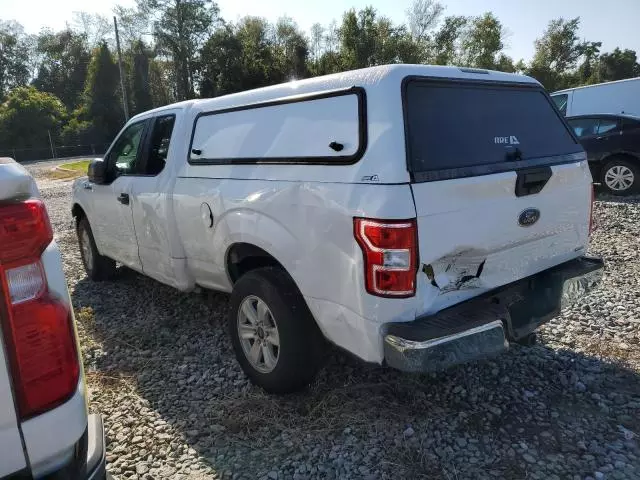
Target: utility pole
125, 106
53, 152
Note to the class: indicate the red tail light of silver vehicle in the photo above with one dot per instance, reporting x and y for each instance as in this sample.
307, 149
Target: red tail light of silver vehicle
37, 326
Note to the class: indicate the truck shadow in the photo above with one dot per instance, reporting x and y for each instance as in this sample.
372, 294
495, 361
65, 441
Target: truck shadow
604, 196
561, 407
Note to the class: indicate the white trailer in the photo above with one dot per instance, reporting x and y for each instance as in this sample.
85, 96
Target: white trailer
622, 96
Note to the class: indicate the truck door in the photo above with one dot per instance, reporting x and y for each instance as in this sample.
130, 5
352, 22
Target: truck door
110, 212
150, 199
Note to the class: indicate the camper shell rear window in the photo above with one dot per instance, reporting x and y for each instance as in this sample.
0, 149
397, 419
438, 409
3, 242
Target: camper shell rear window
466, 128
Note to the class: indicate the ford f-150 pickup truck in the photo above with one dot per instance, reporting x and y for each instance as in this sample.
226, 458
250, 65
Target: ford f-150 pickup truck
415, 216
45, 431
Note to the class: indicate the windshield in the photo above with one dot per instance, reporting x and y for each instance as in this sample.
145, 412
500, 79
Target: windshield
456, 125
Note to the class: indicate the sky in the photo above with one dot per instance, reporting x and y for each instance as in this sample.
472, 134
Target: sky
614, 23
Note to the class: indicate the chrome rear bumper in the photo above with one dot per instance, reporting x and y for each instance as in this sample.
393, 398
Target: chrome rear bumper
484, 326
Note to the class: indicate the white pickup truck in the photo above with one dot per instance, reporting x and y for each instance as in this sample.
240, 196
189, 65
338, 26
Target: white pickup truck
415, 216
45, 431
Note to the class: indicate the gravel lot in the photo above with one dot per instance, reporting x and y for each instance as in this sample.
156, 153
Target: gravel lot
176, 404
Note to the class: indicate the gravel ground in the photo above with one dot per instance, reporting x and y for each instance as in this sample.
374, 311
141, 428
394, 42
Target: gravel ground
176, 404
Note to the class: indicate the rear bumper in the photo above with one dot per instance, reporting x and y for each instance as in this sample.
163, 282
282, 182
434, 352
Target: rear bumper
96, 455
484, 326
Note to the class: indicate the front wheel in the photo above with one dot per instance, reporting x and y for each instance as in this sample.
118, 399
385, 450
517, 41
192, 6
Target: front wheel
621, 177
274, 336
98, 267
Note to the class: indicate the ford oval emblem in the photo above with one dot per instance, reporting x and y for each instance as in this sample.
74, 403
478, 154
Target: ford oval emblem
528, 217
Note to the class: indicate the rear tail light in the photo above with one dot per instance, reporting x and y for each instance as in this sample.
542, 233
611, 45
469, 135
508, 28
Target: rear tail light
390, 255
37, 326
591, 209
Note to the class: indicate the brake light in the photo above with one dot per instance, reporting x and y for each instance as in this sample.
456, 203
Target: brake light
390, 255
37, 326
25, 230
591, 209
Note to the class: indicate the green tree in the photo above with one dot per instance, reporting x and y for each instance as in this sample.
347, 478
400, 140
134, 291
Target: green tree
258, 63
222, 63
161, 81
617, 65
557, 53
62, 69
423, 17
291, 50
447, 40
587, 69
482, 42
28, 116
140, 88
14, 57
367, 39
101, 96
180, 28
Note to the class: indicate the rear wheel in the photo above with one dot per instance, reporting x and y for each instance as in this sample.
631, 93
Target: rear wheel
98, 267
620, 176
274, 336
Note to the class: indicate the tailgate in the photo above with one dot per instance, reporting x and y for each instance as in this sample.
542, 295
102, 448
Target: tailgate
14, 181
501, 187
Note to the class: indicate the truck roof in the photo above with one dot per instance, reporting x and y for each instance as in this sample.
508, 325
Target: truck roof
383, 76
596, 85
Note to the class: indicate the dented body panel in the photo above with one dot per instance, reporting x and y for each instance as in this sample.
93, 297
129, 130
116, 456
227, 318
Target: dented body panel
472, 242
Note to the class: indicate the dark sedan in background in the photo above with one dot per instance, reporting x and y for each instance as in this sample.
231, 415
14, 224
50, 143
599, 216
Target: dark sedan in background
612, 143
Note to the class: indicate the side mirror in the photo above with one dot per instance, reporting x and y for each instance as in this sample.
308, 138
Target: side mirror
97, 171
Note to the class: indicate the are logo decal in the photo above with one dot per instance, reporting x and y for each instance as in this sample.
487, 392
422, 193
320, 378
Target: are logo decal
510, 140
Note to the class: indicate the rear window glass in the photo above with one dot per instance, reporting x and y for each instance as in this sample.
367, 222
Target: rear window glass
454, 125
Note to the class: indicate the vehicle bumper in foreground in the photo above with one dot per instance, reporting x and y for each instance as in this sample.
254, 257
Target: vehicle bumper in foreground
483, 326
96, 455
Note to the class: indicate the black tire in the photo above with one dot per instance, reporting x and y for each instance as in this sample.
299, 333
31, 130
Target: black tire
301, 344
98, 267
621, 162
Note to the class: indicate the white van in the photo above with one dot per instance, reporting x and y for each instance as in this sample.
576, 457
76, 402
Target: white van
620, 97
413, 215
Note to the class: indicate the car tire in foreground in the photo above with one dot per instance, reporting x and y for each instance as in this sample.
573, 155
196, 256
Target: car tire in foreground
620, 176
98, 267
274, 335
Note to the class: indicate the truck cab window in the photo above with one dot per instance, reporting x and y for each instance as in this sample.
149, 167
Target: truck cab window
125, 153
159, 146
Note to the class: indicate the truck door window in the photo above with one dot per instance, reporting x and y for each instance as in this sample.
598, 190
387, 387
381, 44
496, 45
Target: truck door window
159, 145
125, 154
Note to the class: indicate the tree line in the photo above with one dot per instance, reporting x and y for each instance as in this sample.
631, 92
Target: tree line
64, 87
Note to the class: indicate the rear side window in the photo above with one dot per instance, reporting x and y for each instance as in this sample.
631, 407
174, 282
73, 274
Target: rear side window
462, 128
326, 128
561, 102
584, 127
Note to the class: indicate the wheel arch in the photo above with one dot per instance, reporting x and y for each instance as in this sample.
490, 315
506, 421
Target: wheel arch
77, 212
242, 257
